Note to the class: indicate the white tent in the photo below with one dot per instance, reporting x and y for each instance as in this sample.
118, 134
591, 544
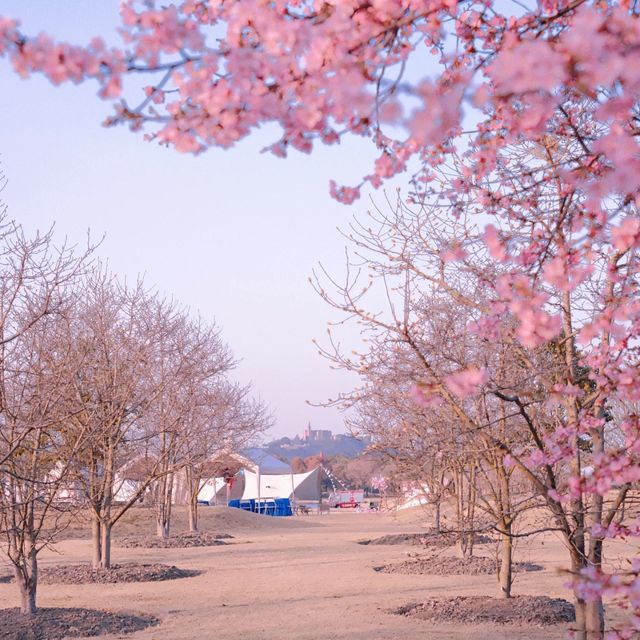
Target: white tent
214, 490
129, 478
125, 489
262, 476
301, 486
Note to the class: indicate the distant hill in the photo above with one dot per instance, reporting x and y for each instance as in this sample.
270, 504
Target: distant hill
338, 445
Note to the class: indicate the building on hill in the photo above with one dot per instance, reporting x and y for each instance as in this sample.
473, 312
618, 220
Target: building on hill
318, 441
316, 435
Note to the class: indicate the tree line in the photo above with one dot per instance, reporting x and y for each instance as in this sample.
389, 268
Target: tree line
104, 384
489, 412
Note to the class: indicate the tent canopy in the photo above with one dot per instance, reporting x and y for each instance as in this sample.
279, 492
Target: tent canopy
276, 478
250, 458
305, 486
269, 465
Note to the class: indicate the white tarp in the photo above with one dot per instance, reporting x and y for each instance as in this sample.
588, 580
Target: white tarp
259, 458
124, 490
214, 490
209, 488
305, 486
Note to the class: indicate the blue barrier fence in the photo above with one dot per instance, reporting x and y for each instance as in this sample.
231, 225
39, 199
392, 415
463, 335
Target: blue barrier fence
273, 507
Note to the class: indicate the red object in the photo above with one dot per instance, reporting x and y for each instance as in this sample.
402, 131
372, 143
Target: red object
348, 499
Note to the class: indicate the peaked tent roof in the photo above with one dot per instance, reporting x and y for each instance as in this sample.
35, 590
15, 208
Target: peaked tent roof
269, 465
250, 458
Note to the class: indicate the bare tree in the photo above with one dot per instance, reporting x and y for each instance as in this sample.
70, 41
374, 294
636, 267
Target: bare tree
422, 338
116, 346
37, 281
224, 417
536, 405
192, 358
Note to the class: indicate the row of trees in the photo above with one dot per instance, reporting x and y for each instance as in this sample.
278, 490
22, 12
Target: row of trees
470, 401
101, 382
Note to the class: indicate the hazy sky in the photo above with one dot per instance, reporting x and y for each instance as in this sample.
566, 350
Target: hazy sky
232, 234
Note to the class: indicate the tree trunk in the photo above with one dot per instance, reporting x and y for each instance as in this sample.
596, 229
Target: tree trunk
163, 506
589, 619
436, 516
589, 615
505, 577
460, 513
466, 514
96, 542
505, 574
193, 489
193, 513
105, 557
594, 614
470, 527
581, 619
163, 525
595, 608
105, 515
27, 597
167, 529
27, 579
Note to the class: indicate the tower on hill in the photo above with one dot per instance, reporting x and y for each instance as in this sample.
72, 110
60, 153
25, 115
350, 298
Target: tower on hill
316, 435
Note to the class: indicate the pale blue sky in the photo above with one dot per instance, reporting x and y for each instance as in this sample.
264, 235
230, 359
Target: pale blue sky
232, 234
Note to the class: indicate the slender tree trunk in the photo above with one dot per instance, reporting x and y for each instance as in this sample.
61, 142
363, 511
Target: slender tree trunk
159, 516
595, 608
594, 616
167, 530
105, 521
96, 542
577, 564
436, 516
193, 487
193, 515
471, 512
105, 558
27, 579
589, 616
27, 593
505, 575
464, 514
96, 491
163, 506
459, 489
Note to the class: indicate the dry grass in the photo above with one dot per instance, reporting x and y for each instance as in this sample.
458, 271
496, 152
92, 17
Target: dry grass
302, 578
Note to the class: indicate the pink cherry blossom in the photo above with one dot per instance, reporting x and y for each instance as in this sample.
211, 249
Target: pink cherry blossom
527, 66
627, 234
466, 382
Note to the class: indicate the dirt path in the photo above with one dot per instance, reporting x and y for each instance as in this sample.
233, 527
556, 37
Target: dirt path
296, 582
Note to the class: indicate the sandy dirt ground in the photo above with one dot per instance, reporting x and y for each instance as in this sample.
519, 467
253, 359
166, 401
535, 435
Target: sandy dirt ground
302, 578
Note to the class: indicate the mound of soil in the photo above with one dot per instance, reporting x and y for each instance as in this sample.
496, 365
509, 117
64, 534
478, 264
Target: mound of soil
140, 521
54, 624
424, 539
417, 539
180, 541
131, 572
538, 611
451, 566
231, 519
